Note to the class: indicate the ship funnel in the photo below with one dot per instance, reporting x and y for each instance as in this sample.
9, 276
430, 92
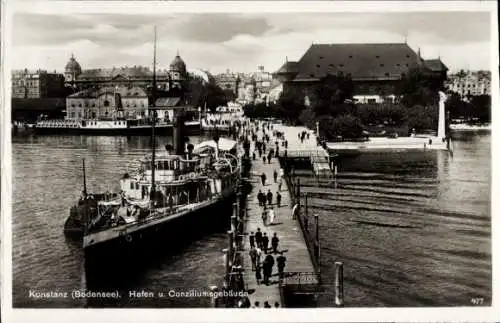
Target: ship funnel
178, 134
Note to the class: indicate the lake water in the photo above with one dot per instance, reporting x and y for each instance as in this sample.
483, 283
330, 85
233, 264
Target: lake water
412, 228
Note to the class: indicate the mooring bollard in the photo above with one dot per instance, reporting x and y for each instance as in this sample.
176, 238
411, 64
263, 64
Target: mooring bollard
215, 290
339, 283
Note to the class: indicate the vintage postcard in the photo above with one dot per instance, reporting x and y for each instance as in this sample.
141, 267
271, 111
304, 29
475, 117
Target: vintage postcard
321, 161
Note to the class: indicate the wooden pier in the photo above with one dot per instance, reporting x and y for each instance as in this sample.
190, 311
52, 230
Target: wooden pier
301, 278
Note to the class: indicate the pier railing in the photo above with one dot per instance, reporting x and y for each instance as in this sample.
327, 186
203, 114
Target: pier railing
312, 246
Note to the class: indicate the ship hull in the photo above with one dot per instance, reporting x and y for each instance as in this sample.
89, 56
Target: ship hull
119, 260
191, 129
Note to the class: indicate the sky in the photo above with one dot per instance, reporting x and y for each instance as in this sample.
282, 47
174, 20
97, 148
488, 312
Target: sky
239, 42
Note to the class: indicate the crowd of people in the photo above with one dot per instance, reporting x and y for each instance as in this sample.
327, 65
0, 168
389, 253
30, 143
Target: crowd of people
265, 252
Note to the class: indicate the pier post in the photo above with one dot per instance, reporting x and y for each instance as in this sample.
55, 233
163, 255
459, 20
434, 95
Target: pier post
339, 283
226, 264
335, 171
214, 289
298, 192
230, 248
316, 220
234, 224
307, 194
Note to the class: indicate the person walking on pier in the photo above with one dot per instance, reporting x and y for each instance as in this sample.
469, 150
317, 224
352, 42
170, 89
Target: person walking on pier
253, 257
269, 197
278, 197
260, 198
264, 217
253, 155
252, 240
268, 268
258, 275
265, 243
256, 304
264, 159
275, 175
295, 211
269, 156
258, 238
271, 215
274, 243
281, 262
266, 305
263, 178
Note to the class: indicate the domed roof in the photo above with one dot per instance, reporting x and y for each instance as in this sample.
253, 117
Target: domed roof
72, 66
178, 64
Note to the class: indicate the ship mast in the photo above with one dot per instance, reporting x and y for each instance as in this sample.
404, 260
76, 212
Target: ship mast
153, 138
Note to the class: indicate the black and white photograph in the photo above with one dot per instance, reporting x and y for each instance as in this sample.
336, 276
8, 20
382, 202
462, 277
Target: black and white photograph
171, 156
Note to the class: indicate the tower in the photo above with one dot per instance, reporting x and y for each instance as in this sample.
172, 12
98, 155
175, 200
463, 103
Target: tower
72, 70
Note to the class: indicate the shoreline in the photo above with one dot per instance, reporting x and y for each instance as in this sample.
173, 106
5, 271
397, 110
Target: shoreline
401, 143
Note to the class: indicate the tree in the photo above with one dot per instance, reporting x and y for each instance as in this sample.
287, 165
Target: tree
423, 118
481, 106
332, 94
417, 88
214, 96
347, 126
289, 106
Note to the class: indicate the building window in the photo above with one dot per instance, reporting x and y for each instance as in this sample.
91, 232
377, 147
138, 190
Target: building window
318, 66
350, 56
341, 65
106, 103
381, 65
377, 56
371, 101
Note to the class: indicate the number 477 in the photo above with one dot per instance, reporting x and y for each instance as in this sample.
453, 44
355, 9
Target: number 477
477, 300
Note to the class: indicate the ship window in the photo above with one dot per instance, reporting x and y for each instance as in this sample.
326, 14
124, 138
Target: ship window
160, 165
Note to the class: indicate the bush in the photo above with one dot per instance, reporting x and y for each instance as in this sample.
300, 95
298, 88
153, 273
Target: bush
347, 126
423, 118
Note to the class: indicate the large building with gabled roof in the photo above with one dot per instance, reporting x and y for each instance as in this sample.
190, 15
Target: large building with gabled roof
375, 69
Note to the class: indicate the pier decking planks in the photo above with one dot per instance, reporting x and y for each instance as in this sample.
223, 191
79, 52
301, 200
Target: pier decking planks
287, 229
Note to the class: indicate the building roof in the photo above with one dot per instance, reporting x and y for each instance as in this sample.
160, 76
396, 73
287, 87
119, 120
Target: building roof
435, 65
288, 67
360, 61
124, 92
135, 72
167, 102
72, 66
178, 64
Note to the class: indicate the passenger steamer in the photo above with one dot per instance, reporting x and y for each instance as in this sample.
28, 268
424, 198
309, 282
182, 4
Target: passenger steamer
121, 126
168, 194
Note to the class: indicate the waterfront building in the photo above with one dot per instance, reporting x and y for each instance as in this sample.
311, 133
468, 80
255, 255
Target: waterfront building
136, 76
468, 84
228, 81
29, 84
375, 69
107, 103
